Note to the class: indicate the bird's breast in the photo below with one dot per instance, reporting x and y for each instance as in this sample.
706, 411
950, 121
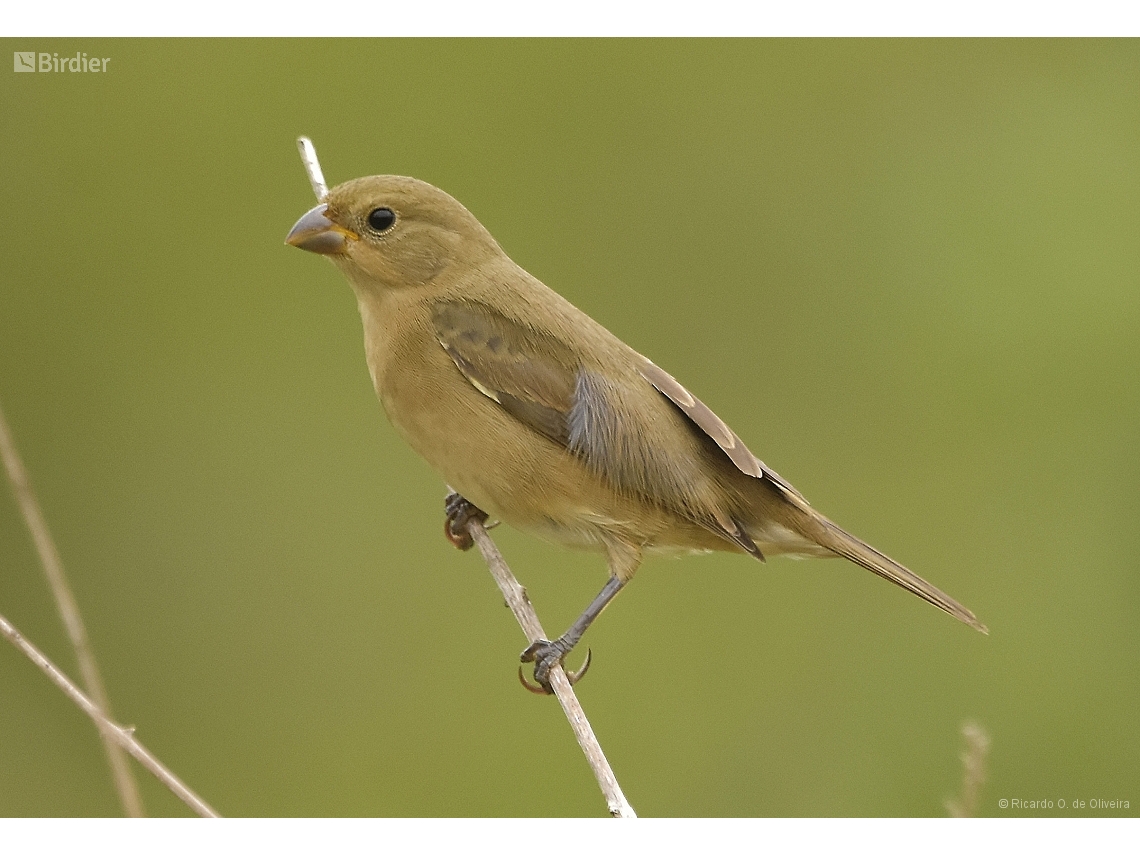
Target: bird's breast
480, 450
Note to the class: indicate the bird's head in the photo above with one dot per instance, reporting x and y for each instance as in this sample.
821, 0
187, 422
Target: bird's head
388, 231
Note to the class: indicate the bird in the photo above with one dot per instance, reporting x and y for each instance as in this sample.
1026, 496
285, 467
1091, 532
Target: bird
537, 415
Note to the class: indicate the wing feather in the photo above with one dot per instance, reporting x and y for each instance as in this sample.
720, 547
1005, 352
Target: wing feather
717, 430
539, 380
529, 375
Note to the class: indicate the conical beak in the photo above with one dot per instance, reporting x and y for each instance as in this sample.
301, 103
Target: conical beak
315, 232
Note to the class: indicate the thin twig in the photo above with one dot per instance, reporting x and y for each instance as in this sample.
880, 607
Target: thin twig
69, 611
313, 168
973, 770
123, 736
520, 605
516, 597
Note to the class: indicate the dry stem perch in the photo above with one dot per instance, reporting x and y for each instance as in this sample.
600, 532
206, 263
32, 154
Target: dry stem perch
515, 595
973, 770
122, 736
116, 738
520, 606
65, 601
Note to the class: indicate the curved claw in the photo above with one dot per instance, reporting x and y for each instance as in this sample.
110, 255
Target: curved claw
461, 540
572, 676
458, 512
533, 688
575, 676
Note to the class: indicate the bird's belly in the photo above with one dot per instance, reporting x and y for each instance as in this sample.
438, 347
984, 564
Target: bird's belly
499, 464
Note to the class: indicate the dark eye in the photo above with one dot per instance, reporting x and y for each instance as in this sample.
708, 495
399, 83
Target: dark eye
381, 219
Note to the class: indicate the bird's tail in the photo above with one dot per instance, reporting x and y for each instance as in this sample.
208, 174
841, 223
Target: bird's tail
865, 555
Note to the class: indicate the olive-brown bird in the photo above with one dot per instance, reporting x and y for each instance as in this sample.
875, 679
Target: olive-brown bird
540, 416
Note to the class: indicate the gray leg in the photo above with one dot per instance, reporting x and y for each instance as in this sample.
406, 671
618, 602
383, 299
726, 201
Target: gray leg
545, 653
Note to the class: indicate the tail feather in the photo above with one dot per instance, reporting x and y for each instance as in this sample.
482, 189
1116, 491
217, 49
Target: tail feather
865, 555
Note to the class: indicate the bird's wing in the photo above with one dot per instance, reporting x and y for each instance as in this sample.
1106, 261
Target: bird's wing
717, 430
529, 374
540, 380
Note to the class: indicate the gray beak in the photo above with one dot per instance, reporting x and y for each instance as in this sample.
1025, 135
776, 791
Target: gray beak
315, 232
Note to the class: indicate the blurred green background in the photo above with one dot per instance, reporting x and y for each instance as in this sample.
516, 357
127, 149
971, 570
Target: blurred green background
906, 272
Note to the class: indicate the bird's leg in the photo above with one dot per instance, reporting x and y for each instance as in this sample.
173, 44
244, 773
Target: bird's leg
459, 513
544, 654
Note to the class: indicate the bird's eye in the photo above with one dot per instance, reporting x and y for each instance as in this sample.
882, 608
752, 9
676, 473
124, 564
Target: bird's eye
381, 219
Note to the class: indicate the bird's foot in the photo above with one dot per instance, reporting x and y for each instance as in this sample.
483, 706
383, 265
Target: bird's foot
545, 655
460, 512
